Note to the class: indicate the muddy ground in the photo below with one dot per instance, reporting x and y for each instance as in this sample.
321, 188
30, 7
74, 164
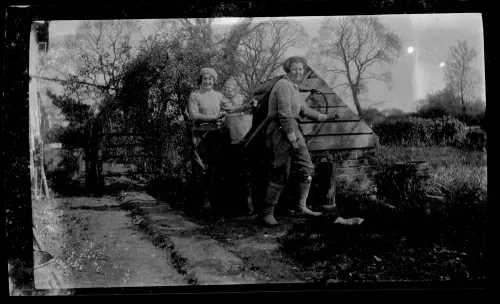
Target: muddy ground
127, 238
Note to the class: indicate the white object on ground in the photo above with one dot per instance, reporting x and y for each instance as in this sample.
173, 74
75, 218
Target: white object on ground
351, 221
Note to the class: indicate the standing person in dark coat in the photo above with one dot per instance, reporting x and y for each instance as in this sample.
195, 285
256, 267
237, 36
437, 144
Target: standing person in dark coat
285, 140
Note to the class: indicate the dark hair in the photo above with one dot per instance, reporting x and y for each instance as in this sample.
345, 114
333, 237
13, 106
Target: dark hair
292, 60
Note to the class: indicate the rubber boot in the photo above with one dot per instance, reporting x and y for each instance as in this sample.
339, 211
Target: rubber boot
272, 197
301, 206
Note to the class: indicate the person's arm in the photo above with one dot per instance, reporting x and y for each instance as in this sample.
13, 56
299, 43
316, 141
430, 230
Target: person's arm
305, 111
194, 112
227, 107
284, 97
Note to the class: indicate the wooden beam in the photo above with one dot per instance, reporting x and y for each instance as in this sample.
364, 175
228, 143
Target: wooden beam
337, 127
334, 142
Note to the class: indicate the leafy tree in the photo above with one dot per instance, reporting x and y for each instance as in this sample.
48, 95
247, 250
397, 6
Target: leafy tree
158, 82
347, 47
77, 114
460, 76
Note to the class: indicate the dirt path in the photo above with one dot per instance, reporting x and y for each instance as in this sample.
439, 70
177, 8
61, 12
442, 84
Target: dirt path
135, 240
96, 244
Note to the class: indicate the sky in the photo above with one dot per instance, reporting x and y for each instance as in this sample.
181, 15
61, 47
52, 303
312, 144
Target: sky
414, 74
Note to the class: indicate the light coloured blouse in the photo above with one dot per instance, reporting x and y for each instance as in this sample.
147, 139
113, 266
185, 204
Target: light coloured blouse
205, 106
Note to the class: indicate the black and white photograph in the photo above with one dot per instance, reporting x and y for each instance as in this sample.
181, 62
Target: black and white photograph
268, 151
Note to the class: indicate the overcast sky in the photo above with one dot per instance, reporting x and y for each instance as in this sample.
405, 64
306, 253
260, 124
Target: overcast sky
414, 74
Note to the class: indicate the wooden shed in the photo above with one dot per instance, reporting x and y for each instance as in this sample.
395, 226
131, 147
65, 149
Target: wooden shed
340, 148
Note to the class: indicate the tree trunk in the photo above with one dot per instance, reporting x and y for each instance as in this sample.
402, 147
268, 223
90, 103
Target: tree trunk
463, 102
356, 103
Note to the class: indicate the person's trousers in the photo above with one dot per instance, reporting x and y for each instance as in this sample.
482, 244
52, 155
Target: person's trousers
208, 151
284, 155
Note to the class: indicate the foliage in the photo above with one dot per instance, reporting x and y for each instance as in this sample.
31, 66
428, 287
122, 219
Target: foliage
158, 82
474, 140
348, 46
457, 176
373, 116
448, 131
157, 85
404, 130
438, 104
444, 103
456, 232
77, 114
408, 130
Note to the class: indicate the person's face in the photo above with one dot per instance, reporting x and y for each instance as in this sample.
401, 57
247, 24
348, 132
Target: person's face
207, 81
296, 72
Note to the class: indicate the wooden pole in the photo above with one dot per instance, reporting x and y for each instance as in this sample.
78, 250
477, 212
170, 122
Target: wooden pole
42, 172
331, 192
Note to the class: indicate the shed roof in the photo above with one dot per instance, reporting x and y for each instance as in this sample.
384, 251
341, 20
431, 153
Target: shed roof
346, 132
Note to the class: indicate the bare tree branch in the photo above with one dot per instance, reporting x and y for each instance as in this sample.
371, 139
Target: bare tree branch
261, 52
357, 43
460, 76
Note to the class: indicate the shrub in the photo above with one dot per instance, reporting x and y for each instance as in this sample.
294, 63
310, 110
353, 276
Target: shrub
474, 140
463, 220
448, 131
62, 168
419, 132
404, 130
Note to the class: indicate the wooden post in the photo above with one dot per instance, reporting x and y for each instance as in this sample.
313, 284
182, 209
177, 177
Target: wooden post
98, 154
42, 172
91, 161
33, 171
95, 164
86, 157
330, 174
323, 185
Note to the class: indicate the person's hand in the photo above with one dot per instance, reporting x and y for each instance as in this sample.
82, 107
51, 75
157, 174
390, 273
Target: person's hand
332, 116
220, 116
251, 104
322, 117
294, 144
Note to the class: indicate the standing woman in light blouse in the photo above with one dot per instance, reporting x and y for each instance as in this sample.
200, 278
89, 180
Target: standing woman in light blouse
207, 109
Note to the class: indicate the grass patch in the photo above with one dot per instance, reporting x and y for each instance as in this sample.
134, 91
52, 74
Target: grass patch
414, 239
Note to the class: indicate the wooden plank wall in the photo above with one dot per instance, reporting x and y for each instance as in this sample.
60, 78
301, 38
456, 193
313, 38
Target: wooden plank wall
347, 142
